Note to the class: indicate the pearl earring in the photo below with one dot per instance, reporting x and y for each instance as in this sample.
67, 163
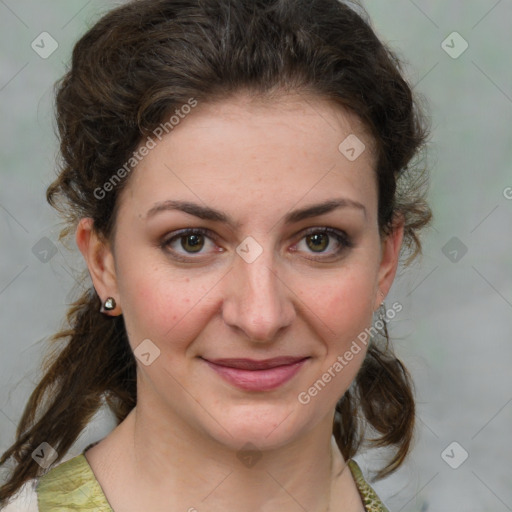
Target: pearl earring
109, 304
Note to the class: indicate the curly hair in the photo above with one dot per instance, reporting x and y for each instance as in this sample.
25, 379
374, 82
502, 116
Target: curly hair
132, 70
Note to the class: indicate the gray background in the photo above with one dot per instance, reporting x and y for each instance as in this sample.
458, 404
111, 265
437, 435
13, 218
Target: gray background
454, 333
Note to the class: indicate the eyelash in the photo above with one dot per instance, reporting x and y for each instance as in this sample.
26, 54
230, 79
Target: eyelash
340, 237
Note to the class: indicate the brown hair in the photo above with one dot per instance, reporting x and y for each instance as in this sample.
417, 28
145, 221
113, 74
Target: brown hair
129, 73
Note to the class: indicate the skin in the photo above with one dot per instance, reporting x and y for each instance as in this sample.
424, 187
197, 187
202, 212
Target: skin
256, 161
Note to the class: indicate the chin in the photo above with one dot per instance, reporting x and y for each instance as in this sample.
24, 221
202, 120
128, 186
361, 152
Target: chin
265, 426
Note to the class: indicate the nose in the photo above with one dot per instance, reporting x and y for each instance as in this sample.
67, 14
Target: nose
258, 301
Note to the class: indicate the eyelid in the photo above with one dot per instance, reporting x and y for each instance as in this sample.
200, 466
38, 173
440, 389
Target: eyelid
331, 231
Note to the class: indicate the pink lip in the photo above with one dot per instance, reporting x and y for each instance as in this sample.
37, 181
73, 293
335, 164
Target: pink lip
252, 375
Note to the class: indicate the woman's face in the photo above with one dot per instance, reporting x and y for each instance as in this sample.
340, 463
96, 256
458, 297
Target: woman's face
268, 276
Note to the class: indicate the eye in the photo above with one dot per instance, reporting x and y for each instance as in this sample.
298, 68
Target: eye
190, 240
318, 240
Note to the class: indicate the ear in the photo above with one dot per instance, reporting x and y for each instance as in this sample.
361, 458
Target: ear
390, 254
100, 262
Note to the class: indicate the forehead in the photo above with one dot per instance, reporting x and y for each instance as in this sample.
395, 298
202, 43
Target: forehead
255, 151
246, 114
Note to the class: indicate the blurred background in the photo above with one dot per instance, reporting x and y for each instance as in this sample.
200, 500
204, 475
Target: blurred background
455, 330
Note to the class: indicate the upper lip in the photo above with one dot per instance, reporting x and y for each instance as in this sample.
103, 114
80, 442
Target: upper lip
253, 364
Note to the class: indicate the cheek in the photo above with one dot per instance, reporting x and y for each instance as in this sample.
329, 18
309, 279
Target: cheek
346, 311
162, 306
346, 305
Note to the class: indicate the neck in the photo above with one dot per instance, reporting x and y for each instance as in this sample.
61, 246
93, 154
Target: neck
198, 473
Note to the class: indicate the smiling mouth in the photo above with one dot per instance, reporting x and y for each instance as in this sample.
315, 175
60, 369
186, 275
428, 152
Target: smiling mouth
257, 375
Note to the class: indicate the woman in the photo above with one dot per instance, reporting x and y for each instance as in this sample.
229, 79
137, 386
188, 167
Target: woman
238, 177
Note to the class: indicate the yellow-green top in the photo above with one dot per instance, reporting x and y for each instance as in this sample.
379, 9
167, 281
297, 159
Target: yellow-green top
72, 485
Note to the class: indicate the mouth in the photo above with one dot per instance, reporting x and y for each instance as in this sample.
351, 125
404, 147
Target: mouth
257, 375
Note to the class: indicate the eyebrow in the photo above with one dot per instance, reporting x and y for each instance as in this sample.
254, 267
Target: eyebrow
207, 213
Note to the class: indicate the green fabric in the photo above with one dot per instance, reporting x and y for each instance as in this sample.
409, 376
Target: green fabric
72, 485
371, 501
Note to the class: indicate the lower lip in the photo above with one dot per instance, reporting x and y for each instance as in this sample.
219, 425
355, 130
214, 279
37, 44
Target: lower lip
258, 380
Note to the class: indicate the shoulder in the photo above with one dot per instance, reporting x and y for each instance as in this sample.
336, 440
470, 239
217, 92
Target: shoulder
64, 476
371, 501
25, 500
71, 485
